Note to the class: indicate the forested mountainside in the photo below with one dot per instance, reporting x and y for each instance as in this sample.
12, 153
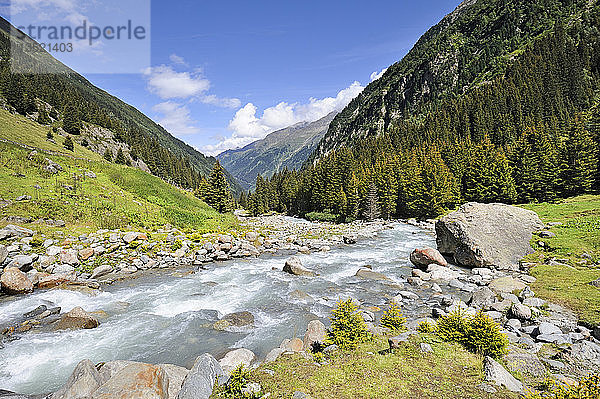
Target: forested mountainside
286, 148
526, 127
470, 47
65, 93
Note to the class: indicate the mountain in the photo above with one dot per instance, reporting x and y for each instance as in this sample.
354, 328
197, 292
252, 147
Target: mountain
499, 102
286, 148
166, 156
466, 49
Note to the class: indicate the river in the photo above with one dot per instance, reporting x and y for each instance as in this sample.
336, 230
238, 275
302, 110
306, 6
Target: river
166, 317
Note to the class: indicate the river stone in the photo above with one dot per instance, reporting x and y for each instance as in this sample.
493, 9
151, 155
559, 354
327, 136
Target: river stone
273, 355
506, 284
53, 280
53, 250
63, 269
369, 274
11, 230
130, 236
546, 328
294, 266
482, 298
524, 362
101, 270
302, 296
86, 253
423, 257
15, 282
199, 382
236, 357
77, 318
438, 272
520, 311
494, 372
237, 319
487, 235
84, 380
69, 256
293, 345
22, 262
315, 332
176, 376
3, 254
137, 380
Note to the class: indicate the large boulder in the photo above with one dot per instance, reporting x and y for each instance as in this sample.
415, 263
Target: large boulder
487, 235
77, 318
84, 380
15, 282
22, 262
315, 332
423, 257
236, 357
506, 284
138, 380
294, 266
199, 382
176, 375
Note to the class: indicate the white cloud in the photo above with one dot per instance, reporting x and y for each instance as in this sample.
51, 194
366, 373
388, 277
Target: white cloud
176, 118
247, 127
221, 102
167, 83
177, 60
376, 75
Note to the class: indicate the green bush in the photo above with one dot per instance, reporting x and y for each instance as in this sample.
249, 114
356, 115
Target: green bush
239, 379
36, 241
321, 217
586, 388
426, 327
177, 244
393, 318
478, 333
348, 329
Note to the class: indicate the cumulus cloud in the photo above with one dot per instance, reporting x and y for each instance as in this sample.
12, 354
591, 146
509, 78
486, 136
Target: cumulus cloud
376, 75
176, 118
247, 127
167, 83
177, 60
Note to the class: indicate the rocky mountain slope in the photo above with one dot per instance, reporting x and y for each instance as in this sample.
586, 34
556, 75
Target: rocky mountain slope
467, 49
285, 148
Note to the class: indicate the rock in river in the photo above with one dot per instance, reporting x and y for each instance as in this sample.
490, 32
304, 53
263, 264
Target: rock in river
237, 319
14, 282
486, 235
369, 274
77, 318
294, 266
423, 257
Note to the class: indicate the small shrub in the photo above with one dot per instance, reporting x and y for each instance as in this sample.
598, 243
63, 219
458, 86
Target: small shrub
239, 379
321, 217
479, 333
318, 357
36, 241
393, 318
426, 327
348, 329
587, 388
177, 244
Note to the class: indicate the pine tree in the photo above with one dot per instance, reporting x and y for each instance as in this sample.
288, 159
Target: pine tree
108, 155
72, 121
49, 135
43, 118
578, 161
120, 158
219, 196
352, 198
68, 144
371, 211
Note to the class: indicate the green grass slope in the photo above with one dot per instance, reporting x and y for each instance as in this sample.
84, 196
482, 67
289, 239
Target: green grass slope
577, 244
119, 196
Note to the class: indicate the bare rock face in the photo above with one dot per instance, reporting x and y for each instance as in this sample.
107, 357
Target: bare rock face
487, 235
15, 282
423, 257
77, 318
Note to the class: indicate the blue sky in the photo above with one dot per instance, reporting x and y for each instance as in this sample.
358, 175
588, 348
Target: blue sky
218, 65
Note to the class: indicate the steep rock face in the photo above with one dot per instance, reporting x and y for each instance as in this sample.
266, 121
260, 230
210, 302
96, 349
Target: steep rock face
286, 148
464, 50
487, 235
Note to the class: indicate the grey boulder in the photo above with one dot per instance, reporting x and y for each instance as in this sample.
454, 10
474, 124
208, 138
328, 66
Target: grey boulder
495, 373
199, 382
84, 380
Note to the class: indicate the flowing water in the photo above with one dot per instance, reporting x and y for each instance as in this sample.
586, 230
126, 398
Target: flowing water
166, 317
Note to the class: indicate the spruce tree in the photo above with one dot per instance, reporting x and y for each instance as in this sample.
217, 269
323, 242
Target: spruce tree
371, 211
219, 196
120, 158
71, 120
68, 143
578, 161
43, 118
108, 155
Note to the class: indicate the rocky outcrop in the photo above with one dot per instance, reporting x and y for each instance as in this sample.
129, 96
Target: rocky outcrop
423, 257
294, 266
487, 235
14, 282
